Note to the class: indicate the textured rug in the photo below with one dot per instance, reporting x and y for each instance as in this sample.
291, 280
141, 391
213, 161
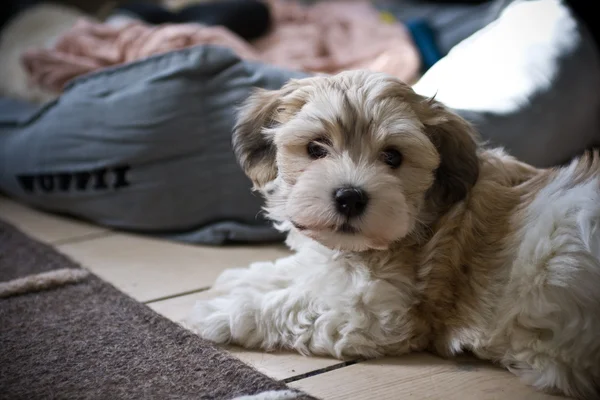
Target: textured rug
65, 333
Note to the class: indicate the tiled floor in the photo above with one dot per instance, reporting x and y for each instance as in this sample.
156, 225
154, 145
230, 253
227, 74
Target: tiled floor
169, 277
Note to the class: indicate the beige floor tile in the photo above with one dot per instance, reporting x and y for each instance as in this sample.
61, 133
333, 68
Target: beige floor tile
177, 308
418, 377
149, 269
42, 226
275, 365
282, 365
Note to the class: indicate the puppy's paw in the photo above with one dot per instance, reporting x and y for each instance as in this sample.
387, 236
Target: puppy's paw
226, 319
210, 321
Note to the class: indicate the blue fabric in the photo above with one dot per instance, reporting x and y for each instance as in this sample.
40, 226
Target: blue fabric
143, 147
424, 38
450, 23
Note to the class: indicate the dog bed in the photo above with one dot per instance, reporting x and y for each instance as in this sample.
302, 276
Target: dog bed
146, 146
143, 147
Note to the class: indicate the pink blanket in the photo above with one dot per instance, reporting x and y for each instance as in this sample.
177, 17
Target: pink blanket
326, 38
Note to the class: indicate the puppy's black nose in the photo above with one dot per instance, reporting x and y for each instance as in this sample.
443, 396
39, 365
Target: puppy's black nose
350, 201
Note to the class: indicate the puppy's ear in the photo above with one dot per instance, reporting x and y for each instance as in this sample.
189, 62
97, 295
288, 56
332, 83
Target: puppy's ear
253, 147
457, 143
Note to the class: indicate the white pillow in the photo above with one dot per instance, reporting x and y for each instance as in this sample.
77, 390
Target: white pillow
528, 81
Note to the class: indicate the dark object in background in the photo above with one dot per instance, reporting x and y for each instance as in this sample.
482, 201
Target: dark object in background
248, 19
456, 1
424, 38
586, 12
151, 13
11, 8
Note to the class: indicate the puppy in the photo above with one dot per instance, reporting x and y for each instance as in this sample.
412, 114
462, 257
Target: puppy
408, 236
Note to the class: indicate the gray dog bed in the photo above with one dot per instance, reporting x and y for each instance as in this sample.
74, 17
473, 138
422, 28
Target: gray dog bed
146, 146
143, 147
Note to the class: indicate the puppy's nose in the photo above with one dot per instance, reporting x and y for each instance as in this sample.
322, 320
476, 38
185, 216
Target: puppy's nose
350, 201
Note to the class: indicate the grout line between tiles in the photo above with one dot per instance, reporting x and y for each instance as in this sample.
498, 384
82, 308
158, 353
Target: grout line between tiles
320, 371
82, 238
172, 296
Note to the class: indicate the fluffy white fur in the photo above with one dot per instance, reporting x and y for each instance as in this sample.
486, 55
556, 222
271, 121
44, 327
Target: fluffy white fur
509, 269
523, 46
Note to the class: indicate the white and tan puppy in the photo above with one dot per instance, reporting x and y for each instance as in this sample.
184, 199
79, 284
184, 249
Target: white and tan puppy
408, 236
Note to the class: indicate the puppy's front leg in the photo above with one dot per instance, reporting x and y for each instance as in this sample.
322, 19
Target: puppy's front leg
249, 305
313, 309
251, 318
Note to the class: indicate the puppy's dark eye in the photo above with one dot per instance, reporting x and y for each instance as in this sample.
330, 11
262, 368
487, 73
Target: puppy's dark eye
316, 150
392, 157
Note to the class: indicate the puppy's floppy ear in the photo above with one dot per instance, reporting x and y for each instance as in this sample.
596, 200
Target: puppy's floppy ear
252, 146
456, 142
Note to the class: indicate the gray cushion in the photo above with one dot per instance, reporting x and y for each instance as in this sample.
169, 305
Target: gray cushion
143, 147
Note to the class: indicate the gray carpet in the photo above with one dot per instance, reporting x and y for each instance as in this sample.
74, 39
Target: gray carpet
66, 334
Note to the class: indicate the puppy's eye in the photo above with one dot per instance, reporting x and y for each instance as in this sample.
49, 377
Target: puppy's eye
316, 150
392, 157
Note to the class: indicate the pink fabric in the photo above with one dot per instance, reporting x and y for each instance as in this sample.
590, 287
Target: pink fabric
327, 38
334, 36
90, 46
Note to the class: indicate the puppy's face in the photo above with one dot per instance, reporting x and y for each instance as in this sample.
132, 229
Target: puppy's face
354, 160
